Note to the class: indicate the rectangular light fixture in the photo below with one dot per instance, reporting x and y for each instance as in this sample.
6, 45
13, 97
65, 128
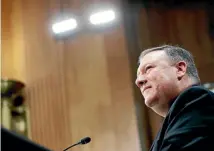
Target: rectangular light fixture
102, 17
64, 26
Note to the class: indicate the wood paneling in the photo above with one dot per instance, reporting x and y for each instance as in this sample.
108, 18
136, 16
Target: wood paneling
187, 28
7, 56
74, 88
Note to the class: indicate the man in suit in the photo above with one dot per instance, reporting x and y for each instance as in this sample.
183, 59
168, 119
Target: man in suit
168, 80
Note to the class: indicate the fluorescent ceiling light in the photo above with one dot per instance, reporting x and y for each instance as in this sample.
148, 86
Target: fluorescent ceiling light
65, 25
102, 17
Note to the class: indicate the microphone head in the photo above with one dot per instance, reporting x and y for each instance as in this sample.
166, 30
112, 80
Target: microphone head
85, 140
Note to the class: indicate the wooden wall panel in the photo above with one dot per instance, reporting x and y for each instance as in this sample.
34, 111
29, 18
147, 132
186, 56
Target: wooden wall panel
117, 67
6, 35
185, 27
76, 87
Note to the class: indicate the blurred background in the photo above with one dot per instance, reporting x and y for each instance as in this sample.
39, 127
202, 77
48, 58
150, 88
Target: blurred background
69, 67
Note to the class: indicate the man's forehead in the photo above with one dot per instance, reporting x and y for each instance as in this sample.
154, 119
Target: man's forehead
151, 57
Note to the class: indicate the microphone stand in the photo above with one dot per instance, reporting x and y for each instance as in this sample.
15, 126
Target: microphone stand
71, 146
82, 141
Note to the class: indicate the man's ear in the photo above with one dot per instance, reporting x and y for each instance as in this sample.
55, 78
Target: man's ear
181, 69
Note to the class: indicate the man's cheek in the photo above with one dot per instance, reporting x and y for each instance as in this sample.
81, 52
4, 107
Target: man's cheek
156, 77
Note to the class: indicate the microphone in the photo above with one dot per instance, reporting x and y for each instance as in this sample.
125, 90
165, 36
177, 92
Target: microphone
83, 141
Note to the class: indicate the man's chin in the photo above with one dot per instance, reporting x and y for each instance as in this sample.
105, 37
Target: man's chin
149, 103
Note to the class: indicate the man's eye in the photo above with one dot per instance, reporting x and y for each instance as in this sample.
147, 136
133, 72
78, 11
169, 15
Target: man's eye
148, 67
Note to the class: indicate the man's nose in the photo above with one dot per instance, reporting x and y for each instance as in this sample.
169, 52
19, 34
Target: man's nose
140, 82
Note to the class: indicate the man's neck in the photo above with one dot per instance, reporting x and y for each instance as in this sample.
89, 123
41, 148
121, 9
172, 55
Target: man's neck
186, 83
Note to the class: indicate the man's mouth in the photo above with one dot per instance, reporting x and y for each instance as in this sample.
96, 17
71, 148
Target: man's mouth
146, 88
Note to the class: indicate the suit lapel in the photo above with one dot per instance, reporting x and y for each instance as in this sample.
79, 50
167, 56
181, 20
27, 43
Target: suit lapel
160, 136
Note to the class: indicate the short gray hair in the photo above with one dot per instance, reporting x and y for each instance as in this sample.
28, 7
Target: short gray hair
176, 54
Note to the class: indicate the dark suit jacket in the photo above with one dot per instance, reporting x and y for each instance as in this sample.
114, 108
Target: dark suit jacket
189, 124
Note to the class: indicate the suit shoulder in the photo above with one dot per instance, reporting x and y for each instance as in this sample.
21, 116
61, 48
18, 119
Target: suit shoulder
193, 94
193, 98
197, 91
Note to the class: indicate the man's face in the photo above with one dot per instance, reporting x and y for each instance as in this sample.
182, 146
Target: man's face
157, 79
